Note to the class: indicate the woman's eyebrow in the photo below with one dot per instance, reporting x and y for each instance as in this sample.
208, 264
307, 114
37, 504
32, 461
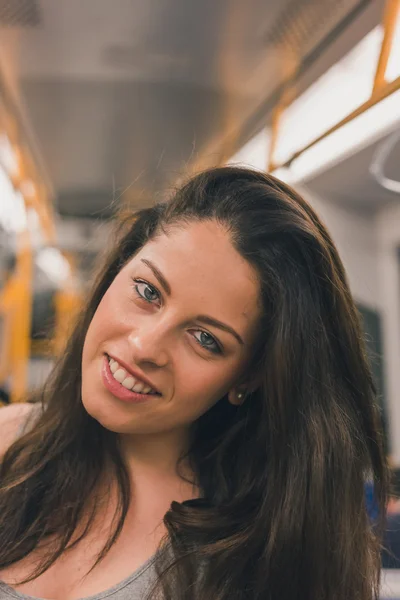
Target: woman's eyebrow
215, 323
202, 318
158, 275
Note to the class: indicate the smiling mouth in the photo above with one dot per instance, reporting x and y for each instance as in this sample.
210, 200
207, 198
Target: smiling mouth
128, 381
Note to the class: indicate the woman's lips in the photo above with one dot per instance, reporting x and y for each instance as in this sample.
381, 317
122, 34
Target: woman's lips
118, 390
131, 371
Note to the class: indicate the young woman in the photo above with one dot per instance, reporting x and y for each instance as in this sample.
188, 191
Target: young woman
208, 431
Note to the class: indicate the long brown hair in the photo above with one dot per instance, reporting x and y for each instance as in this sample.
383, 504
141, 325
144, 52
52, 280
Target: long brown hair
282, 514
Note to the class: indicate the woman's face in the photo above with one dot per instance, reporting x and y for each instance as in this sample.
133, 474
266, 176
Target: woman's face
182, 317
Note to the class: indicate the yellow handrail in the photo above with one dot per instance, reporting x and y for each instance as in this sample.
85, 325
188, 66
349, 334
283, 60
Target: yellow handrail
381, 90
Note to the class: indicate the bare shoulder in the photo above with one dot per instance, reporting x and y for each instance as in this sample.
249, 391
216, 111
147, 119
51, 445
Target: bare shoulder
12, 419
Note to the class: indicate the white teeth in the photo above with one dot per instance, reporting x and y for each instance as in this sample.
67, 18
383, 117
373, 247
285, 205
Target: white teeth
120, 375
138, 387
128, 383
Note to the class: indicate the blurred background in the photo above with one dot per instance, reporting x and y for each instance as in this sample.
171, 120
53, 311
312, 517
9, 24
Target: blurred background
107, 103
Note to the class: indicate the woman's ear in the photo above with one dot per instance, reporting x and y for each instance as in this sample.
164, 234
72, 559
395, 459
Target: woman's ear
238, 394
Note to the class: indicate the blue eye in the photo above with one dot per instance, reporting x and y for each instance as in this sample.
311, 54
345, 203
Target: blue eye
208, 342
150, 294
146, 291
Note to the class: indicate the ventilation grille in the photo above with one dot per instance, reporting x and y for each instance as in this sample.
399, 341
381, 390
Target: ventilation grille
19, 13
300, 22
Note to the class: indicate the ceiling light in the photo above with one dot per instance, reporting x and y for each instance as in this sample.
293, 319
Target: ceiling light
368, 127
8, 157
342, 89
255, 153
54, 264
12, 206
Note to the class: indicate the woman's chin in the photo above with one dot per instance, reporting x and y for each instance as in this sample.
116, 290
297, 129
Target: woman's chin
105, 415
109, 415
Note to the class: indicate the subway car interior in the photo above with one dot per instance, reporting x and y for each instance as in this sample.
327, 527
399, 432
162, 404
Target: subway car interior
106, 106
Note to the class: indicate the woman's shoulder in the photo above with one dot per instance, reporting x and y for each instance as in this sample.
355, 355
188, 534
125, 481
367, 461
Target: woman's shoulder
13, 419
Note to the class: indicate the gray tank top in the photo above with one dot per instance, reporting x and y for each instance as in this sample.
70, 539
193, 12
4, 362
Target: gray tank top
134, 587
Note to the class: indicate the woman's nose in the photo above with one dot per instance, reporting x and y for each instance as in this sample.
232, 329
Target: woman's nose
148, 345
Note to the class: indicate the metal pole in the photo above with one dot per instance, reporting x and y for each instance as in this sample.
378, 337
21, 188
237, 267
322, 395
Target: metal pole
382, 92
22, 315
391, 14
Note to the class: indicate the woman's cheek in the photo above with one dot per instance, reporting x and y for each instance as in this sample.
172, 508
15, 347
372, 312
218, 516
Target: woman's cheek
202, 387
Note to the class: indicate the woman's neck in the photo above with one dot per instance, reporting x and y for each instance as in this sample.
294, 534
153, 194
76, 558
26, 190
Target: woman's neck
152, 462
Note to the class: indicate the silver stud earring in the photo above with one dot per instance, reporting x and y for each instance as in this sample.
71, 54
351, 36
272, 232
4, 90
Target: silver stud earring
240, 396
